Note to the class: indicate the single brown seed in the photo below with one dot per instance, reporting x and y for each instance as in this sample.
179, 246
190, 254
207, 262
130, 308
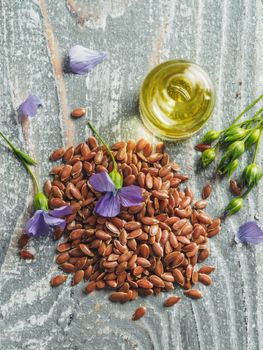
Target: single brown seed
203, 255
67, 267
62, 258
235, 187
58, 280
193, 293
213, 232
119, 297
143, 262
26, 255
23, 240
63, 247
65, 173
141, 144
57, 154
47, 188
149, 221
139, 313
168, 277
172, 300
78, 112
144, 283
200, 204
207, 269
203, 218
205, 279
85, 249
68, 154
90, 287
81, 263
78, 277
156, 281
201, 147
194, 277
178, 277
206, 191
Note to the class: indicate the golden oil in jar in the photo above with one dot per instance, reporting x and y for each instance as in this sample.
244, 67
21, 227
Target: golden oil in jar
176, 99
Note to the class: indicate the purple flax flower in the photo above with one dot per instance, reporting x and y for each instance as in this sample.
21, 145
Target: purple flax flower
29, 107
40, 223
83, 60
249, 233
109, 205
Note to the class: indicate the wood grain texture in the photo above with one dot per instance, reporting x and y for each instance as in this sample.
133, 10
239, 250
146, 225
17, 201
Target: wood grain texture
225, 37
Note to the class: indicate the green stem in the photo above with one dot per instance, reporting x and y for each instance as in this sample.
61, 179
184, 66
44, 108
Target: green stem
7, 141
33, 176
247, 108
257, 146
104, 143
247, 192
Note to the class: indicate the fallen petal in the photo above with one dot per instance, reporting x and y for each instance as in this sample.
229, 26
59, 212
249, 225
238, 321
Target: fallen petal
249, 233
29, 107
82, 60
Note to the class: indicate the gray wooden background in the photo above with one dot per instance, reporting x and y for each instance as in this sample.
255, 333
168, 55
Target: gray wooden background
225, 37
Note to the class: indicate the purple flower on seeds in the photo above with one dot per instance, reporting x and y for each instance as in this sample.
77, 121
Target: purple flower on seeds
109, 205
29, 107
83, 60
43, 220
249, 233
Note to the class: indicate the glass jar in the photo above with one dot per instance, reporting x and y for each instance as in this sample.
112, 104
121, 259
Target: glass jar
176, 99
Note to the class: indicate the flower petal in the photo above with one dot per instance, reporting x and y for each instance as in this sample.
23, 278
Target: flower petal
60, 212
101, 182
108, 205
250, 233
36, 226
54, 221
83, 60
130, 196
29, 107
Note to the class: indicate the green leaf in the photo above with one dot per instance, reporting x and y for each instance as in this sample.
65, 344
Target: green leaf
20, 154
24, 157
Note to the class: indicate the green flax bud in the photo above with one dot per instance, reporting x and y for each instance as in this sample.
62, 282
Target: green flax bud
208, 156
233, 206
235, 150
251, 175
40, 201
116, 178
232, 167
211, 136
252, 138
234, 134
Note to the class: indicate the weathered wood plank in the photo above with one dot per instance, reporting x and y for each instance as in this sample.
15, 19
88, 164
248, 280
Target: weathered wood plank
34, 37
